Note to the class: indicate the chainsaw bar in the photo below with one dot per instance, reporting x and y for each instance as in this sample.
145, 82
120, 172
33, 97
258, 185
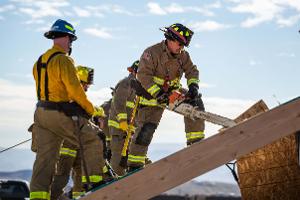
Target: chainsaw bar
193, 113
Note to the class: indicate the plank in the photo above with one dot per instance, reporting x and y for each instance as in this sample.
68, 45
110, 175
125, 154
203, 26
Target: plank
206, 155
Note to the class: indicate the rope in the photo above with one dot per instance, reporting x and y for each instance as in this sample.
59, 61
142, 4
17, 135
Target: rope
232, 170
15, 145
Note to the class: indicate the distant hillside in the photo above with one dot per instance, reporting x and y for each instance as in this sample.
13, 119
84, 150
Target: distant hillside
205, 188
22, 174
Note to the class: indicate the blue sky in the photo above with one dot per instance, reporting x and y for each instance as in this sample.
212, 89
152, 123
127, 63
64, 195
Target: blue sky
246, 50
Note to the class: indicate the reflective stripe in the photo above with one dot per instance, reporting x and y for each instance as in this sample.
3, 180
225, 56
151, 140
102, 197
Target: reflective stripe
77, 194
173, 83
113, 124
192, 80
153, 89
116, 124
146, 102
105, 169
39, 195
158, 80
195, 135
93, 179
69, 27
122, 116
136, 159
67, 152
108, 138
129, 104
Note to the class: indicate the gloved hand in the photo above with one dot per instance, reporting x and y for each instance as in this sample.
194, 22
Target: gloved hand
131, 128
193, 90
162, 97
123, 126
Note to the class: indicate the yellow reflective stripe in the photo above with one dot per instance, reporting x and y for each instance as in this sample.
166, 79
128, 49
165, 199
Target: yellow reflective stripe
113, 124
93, 179
104, 169
158, 80
192, 80
121, 116
136, 159
129, 104
69, 27
175, 83
108, 138
195, 135
153, 89
39, 195
67, 152
77, 194
146, 102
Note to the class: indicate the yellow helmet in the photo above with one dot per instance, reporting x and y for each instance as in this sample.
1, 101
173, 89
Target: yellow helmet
99, 112
85, 74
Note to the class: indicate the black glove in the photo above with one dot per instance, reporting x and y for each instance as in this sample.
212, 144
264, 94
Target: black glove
197, 101
193, 91
162, 97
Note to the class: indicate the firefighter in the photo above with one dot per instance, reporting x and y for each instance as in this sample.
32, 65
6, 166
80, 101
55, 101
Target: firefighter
160, 70
62, 113
69, 155
119, 117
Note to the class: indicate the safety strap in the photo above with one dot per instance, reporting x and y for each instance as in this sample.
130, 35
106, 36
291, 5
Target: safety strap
232, 169
41, 65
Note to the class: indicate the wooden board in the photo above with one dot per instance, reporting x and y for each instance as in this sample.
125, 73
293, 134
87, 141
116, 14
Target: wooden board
206, 155
270, 172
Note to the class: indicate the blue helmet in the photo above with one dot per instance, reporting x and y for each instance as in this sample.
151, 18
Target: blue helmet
61, 28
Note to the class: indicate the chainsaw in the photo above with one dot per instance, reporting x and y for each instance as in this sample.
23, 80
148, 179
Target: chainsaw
178, 104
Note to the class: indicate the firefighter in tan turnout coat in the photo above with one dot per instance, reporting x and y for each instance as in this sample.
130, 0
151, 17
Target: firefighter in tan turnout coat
160, 70
119, 117
69, 155
62, 113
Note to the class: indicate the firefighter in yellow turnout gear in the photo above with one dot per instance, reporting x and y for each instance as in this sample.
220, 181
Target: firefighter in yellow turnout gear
161, 68
61, 110
119, 116
70, 157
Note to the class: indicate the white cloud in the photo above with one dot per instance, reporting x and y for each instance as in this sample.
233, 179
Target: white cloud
100, 10
207, 25
37, 9
173, 8
7, 7
80, 12
253, 63
286, 54
288, 22
101, 33
155, 9
267, 10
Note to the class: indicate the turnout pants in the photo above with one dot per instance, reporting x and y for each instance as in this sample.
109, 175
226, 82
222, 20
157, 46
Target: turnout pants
69, 161
147, 121
52, 128
117, 143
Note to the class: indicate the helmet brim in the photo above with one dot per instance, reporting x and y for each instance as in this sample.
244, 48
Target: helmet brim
53, 35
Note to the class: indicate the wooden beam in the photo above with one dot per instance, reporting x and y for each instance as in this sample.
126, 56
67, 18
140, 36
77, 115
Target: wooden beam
258, 108
206, 155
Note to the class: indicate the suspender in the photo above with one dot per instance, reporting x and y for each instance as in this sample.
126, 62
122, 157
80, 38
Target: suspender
41, 65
